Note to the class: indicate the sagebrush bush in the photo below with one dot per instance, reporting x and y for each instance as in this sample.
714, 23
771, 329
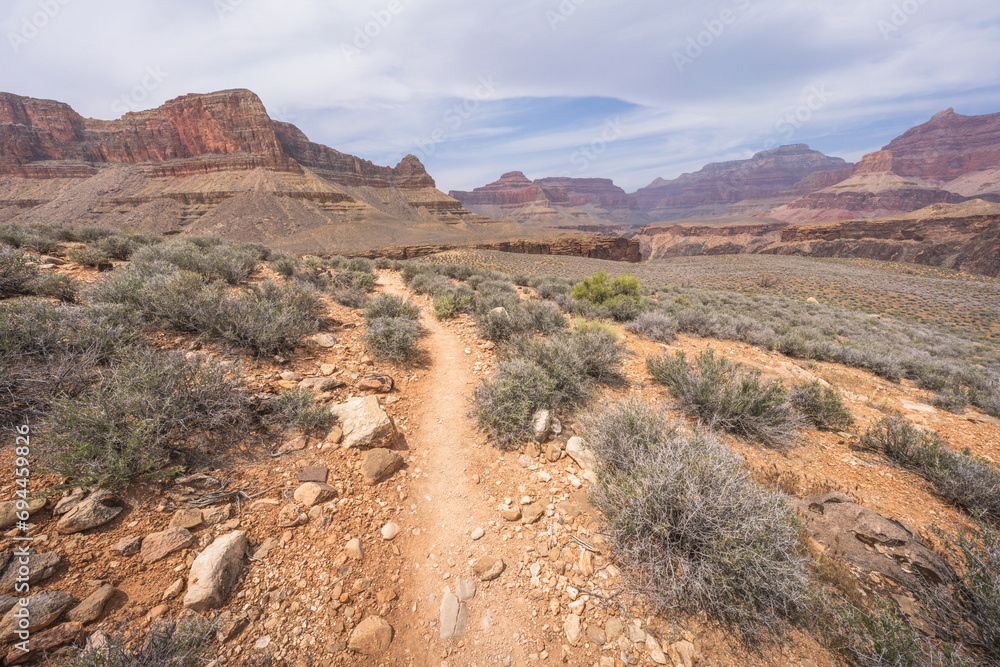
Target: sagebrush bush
504, 403
823, 406
180, 643
728, 396
54, 286
16, 272
350, 297
209, 257
393, 338
877, 636
453, 301
976, 550
968, 481
654, 326
691, 529
545, 317
429, 283
502, 323
299, 407
284, 265
139, 409
390, 305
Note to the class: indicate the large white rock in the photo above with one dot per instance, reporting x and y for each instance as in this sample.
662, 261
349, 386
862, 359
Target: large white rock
577, 449
215, 571
365, 423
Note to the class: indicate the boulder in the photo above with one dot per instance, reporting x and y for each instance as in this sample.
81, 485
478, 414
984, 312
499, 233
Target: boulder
93, 605
365, 423
379, 464
314, 493
8, 510
372, 637
157, 546
577, 450
40, 566
95, 510
215, 571
541, 425
43, 609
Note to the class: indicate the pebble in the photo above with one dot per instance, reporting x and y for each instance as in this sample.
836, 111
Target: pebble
390, 531
478, 534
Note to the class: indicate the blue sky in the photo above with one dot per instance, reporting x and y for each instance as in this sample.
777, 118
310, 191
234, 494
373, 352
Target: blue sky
628, 90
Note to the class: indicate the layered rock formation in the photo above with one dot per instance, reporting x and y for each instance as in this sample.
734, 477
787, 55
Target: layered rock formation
614, 248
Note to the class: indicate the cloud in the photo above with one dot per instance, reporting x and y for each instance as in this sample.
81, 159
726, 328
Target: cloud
691, 82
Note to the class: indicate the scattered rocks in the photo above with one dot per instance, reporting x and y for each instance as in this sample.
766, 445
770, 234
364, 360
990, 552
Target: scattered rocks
573, 629
92, 607
390, 531
335, 436
532, 513
157, 546
365, 423
511, 513
596, 634
291, 516
314, 493
372, 637
489, 568
215, 571
213, 516
42, 610
354, 549
682, 653
173, 590
294, 445
69, 501
127, 546
614, 628
8, 510
320, 384
186, 518
454, 616
324, 340
95, 510
40, 566
553, 452
44, 642
379, 464
380, 384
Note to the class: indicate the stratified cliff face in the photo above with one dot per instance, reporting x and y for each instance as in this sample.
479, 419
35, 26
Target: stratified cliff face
948, 146
552, 201
710, 190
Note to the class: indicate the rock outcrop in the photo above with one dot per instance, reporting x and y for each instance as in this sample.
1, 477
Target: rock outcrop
616, 248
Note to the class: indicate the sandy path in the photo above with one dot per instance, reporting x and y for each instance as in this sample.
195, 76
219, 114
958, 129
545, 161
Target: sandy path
444, 506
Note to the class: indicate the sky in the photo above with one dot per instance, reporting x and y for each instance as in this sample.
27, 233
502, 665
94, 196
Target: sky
629, 90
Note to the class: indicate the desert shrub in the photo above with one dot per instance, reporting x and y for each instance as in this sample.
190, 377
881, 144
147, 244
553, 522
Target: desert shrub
966, 480
429, 283
953, 399
358, 265
504, 403
501, 323
382, 263
976, 620
140, 408
453, 301
545, 317
118, 246
521, 279
284, 265
54, 286
393, 338
181, 643
299, 407
691, 529
209, 257
358, 280
493, 286
90, 256
16, 272
603, 326
728, 396
390, 305
823, 406
349, 297
458, 271
654, 326
548, 290
620, 298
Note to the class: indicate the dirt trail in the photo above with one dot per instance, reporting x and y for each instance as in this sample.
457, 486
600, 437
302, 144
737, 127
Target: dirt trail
449, 497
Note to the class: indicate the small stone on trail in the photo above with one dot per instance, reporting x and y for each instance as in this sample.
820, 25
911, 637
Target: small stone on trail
489, 568
478, 534
390, 531
313, 474
186, 518
354, 549
573, 629
314, 493
379, 464
372, 636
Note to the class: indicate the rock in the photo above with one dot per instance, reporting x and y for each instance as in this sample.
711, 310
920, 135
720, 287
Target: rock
372, 637
213, 516
614, 628
573, 629
160, 545
229, 626
365, 423
532, 450
525, 461
335, 436
215, 571
8, 510
655, 651
512, 513
541, 424
597, 635
500, 312
92, 606
7, 603
127, 546
173, 590
553, 452
577, 450
321, 384
354, 549
682, 653
390, 531
186, 518
44, 642
453, 617
314, 493
478, 534
67, 502
313, 474
532, 513
465, 589
42, 609
294, 445
556, 426
40, 567
289, 376
381, 384
488, 568
325, 340
291, 516
379, 464
95, 510
264, 549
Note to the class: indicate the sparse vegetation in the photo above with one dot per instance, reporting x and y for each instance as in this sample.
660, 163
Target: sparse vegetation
180, 643
299, 407
654, 326
505, 402
691, 529
823, 406
16, 273
393, 338
390, 305
726, 395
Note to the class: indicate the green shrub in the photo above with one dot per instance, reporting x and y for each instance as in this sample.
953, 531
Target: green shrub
393, 338
621, 298
654, 326
390, 305
16, 272
90, 256
209, 257
966, 480
501, 324
299, 407
689, 527
140, 409
727, 396
285, 265
504, 404
823, 406
452, 302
